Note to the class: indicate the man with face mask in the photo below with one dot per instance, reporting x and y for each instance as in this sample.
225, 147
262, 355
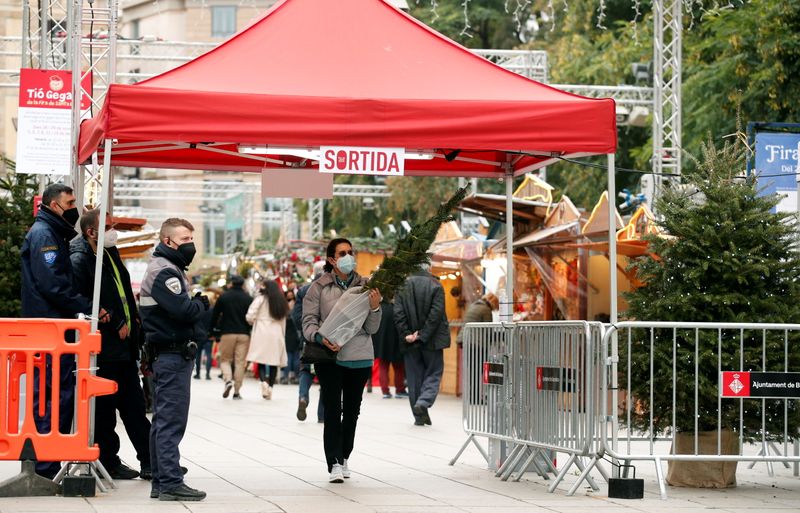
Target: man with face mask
48, 291
172, 321
121, 342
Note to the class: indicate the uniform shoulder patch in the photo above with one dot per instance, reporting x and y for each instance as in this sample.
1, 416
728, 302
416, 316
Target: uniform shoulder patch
174, 285
49, 257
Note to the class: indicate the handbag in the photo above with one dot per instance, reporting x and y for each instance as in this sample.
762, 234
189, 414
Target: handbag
316, 353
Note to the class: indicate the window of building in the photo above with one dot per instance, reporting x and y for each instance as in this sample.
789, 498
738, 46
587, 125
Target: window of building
223, 20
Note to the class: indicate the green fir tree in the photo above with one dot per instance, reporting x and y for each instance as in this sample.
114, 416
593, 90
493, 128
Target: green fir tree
727, 257
16, 216
412, 249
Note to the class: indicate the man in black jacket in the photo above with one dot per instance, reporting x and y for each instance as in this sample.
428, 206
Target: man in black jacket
421, 321
172, 319
234, 341
48, 291
121, 342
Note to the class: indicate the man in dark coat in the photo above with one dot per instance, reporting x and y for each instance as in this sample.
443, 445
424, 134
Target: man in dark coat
229, 316
419, 314
388, 352
48, 291
121, 343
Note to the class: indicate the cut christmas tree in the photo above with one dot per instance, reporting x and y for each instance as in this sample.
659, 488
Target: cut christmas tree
349, 313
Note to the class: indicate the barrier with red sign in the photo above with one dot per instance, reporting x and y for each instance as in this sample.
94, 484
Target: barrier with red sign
652, 425
26, 347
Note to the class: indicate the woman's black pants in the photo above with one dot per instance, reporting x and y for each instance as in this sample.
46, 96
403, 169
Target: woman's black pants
342, 389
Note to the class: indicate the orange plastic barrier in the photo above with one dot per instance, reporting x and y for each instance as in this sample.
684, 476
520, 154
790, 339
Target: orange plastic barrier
25, 345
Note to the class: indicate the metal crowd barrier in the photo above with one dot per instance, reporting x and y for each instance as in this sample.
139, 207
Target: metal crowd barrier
544, 388
723, 360
486, 384
535, 386
557, 369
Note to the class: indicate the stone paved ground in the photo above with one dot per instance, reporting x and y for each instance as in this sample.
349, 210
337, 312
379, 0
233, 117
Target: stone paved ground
253, 456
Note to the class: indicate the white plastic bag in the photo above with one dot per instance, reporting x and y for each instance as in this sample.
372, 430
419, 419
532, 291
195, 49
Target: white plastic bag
347, 317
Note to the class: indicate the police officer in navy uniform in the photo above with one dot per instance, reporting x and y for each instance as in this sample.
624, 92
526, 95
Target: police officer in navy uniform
48, 291
172, 321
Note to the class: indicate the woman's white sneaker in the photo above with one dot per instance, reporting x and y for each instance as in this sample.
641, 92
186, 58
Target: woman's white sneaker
345, 470
336, 474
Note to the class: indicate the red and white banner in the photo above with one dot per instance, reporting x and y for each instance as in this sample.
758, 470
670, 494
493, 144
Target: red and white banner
45, 121
359, 160
746, 384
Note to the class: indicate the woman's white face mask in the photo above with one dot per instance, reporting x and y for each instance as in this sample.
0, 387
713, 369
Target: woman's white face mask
346, 264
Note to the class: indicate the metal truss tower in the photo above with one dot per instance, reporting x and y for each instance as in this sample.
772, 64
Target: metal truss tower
667, 57
95, 57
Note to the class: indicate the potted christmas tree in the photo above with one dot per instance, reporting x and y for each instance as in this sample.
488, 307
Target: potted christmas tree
728, 257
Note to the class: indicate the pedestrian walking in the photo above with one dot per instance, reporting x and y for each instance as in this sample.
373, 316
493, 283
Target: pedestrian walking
419, 313
122, 339
290, 374
206, 344
306, 375
388, 353
172, 320
48, 291
230, 317
267, 314
342, 381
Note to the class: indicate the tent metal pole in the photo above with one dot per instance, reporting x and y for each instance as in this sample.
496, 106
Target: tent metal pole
612, 239
612, 266
507, 307
101, 233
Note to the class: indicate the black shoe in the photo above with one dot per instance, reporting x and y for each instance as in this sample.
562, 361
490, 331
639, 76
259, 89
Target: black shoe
122, 471
227, 391
421, 414
154, 493
208, 376
237, 396
418, 421
301, 409
284, 381
182, 493
197, 376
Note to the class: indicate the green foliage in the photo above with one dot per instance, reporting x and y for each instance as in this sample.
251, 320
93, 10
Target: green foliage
411, 250
347, 215
16, 207
490, 25
745, 59
728, 258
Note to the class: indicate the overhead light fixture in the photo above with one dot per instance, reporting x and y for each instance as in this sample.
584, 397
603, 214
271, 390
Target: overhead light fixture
263, 149
419, 154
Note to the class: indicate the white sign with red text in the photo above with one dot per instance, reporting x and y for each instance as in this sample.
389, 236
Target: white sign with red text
44, 121
360, 160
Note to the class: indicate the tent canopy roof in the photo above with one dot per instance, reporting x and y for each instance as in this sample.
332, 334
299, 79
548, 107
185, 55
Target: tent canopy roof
348, 73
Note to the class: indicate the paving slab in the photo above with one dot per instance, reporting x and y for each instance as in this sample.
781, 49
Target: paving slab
254, 456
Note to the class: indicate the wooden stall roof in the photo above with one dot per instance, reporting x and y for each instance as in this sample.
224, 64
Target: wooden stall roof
493, 206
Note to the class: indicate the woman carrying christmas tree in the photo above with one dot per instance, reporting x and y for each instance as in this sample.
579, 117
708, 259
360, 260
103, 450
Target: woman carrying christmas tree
342, 381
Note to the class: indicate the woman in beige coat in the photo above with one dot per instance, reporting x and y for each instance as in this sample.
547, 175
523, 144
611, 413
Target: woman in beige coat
268, 314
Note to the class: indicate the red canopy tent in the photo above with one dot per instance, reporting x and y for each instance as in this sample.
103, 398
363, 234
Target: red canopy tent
345, 73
